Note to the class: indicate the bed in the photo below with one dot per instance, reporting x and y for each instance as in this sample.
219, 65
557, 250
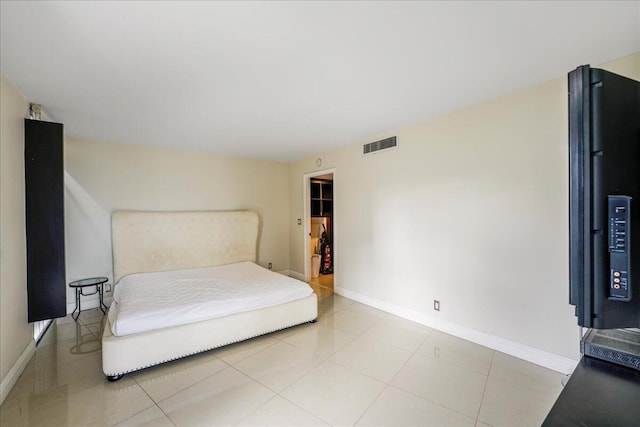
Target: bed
161, 258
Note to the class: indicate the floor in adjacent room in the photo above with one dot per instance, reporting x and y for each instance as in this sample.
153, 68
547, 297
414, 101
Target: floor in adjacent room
356, 365
322, 285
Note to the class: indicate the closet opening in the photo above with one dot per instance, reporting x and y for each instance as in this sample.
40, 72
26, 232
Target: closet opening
320, 232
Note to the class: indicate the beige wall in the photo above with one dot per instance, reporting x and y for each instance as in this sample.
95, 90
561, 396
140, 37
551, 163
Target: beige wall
472, 210
15, 333
102, 177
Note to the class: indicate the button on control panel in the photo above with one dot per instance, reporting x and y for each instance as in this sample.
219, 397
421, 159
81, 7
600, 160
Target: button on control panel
619, 248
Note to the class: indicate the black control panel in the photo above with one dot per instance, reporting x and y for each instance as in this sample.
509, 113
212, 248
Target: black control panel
620, 248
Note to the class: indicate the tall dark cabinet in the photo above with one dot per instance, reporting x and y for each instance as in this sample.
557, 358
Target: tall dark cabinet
44, 197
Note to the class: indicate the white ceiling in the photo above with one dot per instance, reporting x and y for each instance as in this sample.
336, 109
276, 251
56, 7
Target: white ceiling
284, 80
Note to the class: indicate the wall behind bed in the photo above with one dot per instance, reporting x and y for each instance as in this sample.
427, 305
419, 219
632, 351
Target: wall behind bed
101, 177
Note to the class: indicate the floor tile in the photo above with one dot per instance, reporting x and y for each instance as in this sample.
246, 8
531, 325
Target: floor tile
104, 404
335, 394
333, 303
220, 400
278, 366
280, 412
452, 387
234, 353
457, 352
399, 333
68, 350
165, 380
517, 371
151, 417
362, 308
325, 310
321, 339
509, 404
340, 300
350, 321
90, 316
41, 385
96, 328
321, 291
12, 413
395, 407
62, 331
373, 358
283, 334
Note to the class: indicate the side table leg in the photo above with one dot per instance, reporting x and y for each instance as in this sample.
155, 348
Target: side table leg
101, 297
77, 306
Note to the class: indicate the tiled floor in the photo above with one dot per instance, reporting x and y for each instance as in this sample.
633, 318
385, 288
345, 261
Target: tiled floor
324, 282
355, 366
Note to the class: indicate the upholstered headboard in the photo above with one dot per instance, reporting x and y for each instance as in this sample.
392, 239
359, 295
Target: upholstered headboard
162, 241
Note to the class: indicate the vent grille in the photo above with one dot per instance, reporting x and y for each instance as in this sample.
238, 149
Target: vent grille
383, 144
621, 358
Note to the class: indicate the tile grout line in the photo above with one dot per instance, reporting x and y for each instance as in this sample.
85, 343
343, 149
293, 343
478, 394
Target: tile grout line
387, 385
255, 410
179, 391
306, 411
156, 404
328, 359
323, 360
421, 397
279, 394
345, 367
484, 390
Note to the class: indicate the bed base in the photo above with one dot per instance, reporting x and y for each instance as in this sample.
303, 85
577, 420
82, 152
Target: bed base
129, 353
163, 241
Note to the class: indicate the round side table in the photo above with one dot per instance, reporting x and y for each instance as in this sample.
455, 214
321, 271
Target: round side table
79, 286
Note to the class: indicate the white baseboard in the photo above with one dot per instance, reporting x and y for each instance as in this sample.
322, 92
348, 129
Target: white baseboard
16, 370
531, 354
296, 275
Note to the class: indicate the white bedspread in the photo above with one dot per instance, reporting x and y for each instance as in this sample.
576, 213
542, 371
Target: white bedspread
148, 301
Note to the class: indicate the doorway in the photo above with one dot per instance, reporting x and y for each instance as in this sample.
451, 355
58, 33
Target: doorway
319, 232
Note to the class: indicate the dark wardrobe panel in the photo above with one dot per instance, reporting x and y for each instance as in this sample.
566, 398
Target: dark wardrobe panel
44, 194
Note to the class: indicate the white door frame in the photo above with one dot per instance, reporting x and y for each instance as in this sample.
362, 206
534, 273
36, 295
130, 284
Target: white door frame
307, 218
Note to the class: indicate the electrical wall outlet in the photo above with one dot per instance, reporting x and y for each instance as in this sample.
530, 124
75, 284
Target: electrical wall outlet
436, 305
270, 266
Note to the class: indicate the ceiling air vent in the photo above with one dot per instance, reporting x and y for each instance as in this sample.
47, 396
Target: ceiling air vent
383, 144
